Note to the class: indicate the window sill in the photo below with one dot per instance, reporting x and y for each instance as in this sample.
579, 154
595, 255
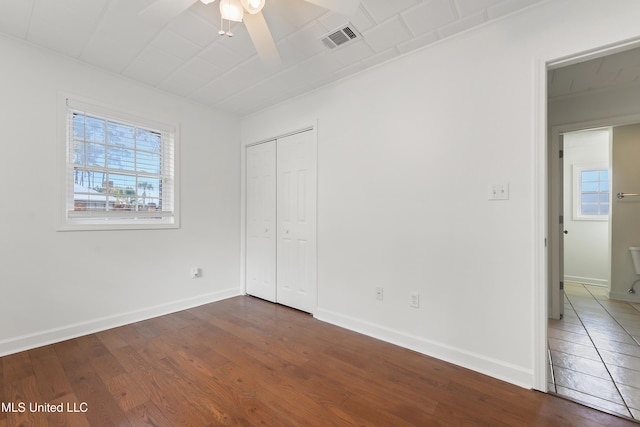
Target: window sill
596, 218
111, 224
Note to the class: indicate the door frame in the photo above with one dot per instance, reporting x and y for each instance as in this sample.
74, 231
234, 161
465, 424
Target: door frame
272, 135
555, 242
542, 139
557, 133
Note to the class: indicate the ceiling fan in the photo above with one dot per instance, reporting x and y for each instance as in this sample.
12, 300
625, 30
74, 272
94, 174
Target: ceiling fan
247, 11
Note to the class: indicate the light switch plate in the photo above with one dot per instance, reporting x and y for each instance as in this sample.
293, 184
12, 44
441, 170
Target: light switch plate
498, 191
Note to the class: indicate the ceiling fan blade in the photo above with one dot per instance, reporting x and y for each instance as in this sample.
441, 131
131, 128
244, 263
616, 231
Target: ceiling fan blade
162, 11
343, 7
262, 39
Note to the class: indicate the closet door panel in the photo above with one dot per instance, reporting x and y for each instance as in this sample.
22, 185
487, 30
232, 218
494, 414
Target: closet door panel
261, 221
296, 218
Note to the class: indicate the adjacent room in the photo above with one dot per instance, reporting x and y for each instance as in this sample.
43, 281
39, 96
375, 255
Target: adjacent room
344, 202
595, 320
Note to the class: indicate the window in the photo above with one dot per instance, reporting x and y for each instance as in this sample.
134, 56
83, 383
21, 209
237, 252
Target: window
592, 193
119, 172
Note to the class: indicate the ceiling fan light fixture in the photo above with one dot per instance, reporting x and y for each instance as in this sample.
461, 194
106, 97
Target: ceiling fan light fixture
252, 6
207, 1
231, 10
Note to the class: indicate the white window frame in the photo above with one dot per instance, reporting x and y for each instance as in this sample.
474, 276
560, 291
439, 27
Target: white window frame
577, 192
116, 220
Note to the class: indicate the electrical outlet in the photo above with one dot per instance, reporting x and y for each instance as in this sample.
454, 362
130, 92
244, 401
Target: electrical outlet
415, 300
379, 293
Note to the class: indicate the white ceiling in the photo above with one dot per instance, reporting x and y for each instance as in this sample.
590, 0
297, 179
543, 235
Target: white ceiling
617, 69
188, 58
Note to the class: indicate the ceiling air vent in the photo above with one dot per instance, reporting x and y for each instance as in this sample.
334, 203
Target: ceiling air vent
339, 37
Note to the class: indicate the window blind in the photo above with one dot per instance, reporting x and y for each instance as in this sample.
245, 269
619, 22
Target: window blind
118, 169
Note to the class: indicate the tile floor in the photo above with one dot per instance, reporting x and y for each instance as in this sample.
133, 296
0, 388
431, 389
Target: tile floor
594, 351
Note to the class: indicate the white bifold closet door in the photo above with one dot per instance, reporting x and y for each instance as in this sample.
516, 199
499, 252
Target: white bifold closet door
261, 221
296, 219
282, 269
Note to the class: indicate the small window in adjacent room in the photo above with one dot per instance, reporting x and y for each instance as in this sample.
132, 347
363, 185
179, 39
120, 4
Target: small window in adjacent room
120, 172
592, 193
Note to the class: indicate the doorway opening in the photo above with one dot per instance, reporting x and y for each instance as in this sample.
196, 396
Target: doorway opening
593, 331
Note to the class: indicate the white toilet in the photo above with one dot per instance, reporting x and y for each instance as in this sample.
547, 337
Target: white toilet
635, 256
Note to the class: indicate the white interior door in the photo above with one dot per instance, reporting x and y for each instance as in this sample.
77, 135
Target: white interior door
261, 221
296, 246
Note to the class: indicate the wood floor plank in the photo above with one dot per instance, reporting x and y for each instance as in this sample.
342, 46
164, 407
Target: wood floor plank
126, 392
103, 410
3, 415
262, 340
24, 391
373, 387
224, 392
17, 367
65, 418
70, 354
51, 377
160, 388
147, 415
91, 346
110, 339
107, 367
247, 362
131, 336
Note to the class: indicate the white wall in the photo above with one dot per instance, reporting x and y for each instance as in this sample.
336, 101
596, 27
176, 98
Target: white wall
586, 246
60, 284
406, 153
626, 212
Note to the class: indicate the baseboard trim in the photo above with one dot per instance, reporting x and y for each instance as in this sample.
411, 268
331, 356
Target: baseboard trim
587, 280
39, 339
626, 296
495, 368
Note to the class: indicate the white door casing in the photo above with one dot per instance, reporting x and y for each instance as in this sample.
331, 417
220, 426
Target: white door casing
556, 229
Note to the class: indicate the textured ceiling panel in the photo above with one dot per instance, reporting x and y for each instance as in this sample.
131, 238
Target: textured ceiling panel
222, 56
387, 35
120, 37
467, 7
383, 9
153, 66
174, 44
507, 7
65, 25
620, 69
15, 16
463, 24
186, 56
194, 28
429, 16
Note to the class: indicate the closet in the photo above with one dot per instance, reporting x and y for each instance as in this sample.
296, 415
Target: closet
281, 220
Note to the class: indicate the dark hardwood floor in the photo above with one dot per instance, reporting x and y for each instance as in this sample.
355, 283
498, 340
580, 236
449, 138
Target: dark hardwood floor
248, 362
